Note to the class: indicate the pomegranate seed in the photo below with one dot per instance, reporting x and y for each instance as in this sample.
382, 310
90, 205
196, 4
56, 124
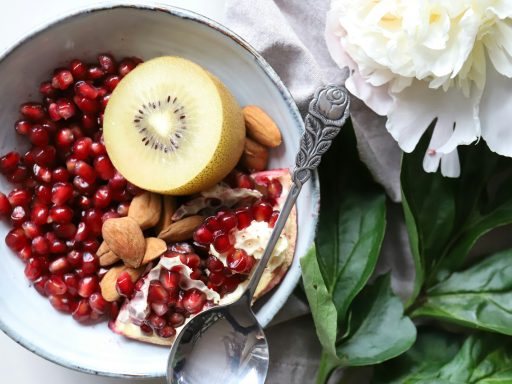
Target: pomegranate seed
42, 174
104, 167
86, 90
82, 313
75, 258
102, 197
40, 245
191, 260
65, 138
212, 224
90, 245
49, 126
60, 175
166, 332
227, 221
139, 284
71, 281
16, 239
82, 148
109, 215
87, 286
97, 150
117, 183
55, 286
203, 235
62, 303
64, 231
104, 100
244, 181
121, 196
170, 280
156, 321
61, 193
159, 309
43, 195
85, 171
86, 105
35, 267
122, 209
46, 89
114, 310
89, 123
23, 127
57, 246
61, 214
45, 157
239, 261
25, 253
31, 229
214, 265
19, 196
78, 69
71, 164
84, 202
5, 205
222, 242
65, 109
9, 162
126, 66
90, 263
60, 266
39, 284
244, 217
82, 232
83, 186
273, 219
157, 293
216, 278
146, 329
95, 73
33, 111
176, 319
275, 189
107, 63
53, 111
39, 136
231, 283
124, 284
262, 211
62, 79
111, 82
98, 303
18, 215
20, 176
92, 218
194, 300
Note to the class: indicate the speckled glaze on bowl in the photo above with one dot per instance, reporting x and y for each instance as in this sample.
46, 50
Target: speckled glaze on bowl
145, 31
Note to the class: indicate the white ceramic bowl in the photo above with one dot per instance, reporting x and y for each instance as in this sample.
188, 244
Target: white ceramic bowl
147, 32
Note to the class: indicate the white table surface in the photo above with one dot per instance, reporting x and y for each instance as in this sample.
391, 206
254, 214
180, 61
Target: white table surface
17, 365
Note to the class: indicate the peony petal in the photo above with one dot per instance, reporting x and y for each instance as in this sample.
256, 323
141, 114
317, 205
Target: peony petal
496, 113
450, 164
499, 57
442, 132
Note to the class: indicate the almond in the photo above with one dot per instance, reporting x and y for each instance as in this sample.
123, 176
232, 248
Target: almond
255, 156
108, 282
181, 230
168, 209
106, 256
145, 209
260, 127
154, 248
124, 237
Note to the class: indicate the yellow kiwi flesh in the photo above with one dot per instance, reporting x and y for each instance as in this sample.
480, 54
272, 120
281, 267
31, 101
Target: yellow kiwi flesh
172, 127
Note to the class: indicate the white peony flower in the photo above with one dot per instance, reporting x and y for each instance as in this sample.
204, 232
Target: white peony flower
422, 62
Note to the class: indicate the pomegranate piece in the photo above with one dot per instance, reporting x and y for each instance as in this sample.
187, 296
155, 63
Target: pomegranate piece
194, 300
33, 111
124, 284
157, 293
9, 162
62, 79
55, 286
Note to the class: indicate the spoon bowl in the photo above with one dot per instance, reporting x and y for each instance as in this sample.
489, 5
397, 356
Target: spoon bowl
230, 339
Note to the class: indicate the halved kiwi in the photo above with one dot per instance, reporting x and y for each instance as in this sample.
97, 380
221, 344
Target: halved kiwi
172, 127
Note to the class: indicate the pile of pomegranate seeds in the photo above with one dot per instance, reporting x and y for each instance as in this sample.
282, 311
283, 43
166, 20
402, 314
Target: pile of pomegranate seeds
66, 186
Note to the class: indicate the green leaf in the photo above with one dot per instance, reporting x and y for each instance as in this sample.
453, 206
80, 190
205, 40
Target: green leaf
445, 217
439, 358
320, 301
479, 297
349, 238
379, 330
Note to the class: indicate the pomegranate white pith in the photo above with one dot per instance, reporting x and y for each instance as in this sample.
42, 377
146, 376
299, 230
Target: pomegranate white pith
144, 319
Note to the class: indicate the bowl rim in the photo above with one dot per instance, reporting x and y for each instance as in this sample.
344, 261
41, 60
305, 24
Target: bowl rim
269, 72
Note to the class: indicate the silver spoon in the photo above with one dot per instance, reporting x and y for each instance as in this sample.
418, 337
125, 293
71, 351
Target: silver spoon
226, 344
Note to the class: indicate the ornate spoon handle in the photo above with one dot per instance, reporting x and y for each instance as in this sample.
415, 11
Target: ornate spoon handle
327, 113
